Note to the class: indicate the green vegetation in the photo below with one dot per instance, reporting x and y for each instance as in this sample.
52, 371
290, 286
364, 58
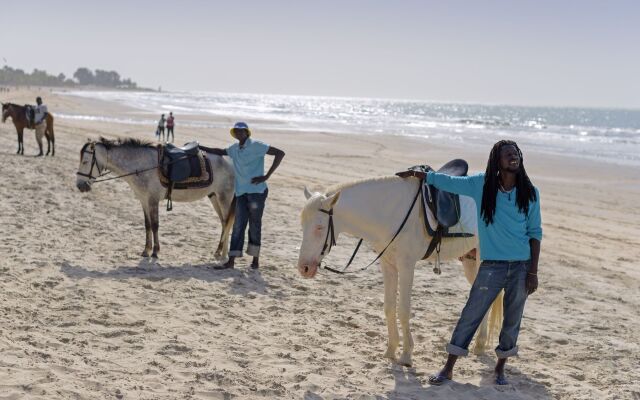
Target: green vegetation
82, 77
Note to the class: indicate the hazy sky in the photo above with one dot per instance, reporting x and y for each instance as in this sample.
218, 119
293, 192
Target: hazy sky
583, 53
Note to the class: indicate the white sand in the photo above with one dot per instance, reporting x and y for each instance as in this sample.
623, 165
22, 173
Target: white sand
84, 317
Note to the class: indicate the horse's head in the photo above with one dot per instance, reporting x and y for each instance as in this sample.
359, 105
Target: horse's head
315, 225
88, 169
5, 111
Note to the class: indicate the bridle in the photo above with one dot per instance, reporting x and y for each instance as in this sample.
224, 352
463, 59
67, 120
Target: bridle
330, 234
330, 238
94, 163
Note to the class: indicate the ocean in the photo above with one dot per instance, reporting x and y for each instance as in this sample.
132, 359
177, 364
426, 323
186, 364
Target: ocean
609, 135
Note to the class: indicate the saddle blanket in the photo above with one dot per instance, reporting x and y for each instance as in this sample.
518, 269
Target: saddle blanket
201, 173
468, 222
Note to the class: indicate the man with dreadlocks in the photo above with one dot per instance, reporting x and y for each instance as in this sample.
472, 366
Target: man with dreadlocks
509, 231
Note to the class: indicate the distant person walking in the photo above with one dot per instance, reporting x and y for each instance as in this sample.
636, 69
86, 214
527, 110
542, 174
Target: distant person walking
251, 190
170, 124
160, 131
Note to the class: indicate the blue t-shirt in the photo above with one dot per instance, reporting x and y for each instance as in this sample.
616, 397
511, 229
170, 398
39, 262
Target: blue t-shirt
248, 162
507, 238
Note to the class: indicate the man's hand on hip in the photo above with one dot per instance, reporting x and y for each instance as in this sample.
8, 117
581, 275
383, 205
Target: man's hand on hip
259, 179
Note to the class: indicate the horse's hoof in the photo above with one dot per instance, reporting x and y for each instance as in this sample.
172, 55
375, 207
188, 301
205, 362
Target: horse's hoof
405, 361
154, 255
390, 354
145, 254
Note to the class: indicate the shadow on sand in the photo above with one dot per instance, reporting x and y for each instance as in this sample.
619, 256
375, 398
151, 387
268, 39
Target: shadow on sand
241, 281
409, 385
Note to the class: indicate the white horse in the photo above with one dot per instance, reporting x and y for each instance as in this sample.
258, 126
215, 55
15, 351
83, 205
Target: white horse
373, 209
124, 157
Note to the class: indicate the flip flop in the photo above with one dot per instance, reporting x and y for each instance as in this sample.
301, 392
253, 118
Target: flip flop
437, 380
501, 380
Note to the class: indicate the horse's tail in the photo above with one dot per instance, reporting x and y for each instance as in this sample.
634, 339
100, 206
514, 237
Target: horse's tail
495, 317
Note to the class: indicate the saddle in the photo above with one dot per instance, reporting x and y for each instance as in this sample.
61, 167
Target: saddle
441, 209
30, 113
445, 206
185, 167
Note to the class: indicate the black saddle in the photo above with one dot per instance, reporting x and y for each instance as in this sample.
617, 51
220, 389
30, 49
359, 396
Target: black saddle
181, 163
444, 206
183, 168
30, 112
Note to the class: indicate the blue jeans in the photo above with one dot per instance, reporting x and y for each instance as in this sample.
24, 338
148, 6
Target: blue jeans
249, 208
493, 276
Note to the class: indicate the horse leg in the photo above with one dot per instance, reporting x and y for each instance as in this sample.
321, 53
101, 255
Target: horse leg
39, 134
51, 139
147, 227
405, 285
227, 214
390, 277
155, 223
47, 136
20, 141
216, 206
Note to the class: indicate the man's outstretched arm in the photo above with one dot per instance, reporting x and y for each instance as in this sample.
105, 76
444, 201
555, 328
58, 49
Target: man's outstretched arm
218, 152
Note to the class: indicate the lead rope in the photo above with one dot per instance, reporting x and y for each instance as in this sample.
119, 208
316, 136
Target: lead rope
404, 221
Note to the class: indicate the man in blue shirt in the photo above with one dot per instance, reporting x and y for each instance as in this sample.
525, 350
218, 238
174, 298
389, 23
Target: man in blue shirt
250, 190
509, 231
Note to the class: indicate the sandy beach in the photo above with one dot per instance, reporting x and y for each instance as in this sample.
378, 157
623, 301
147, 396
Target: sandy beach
85, 317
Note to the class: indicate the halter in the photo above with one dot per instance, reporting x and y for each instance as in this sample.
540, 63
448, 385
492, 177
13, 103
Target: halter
94, 162
331, 234
330, 231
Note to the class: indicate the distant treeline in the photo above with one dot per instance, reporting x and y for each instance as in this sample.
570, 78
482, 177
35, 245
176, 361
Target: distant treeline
82, 77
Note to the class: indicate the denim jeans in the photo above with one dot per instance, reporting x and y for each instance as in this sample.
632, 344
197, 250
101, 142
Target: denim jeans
249, 208
493, 276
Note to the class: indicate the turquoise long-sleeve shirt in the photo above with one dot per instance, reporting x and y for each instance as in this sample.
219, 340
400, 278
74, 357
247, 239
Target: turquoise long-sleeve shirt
507, 238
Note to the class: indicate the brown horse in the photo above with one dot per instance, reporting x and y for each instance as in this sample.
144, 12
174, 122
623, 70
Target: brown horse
18, 115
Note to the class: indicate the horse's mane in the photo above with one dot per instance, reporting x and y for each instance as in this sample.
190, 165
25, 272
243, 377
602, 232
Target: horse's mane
125, 143
314, 204
7, 105
341, 186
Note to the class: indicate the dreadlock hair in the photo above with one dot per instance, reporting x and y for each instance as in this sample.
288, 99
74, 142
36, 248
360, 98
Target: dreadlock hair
525, 192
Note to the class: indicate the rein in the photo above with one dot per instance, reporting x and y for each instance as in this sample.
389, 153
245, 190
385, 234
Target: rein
331, 235
94, 162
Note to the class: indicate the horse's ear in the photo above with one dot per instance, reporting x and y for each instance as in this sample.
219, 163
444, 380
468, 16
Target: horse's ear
307, 193
330, 201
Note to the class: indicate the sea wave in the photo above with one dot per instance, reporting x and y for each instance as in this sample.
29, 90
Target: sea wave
604, 134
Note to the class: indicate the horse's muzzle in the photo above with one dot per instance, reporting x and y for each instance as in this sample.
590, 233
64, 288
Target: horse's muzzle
83, 186
307, 270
